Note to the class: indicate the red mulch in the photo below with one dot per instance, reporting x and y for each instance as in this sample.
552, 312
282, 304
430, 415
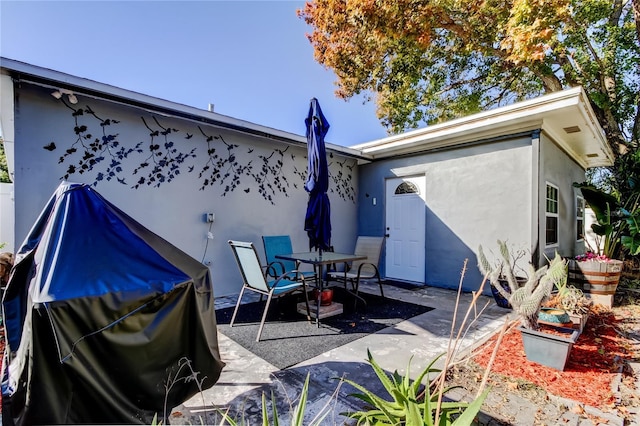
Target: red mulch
593, 362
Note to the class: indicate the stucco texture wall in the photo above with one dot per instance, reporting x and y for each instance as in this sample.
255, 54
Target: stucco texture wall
254, 186
558, 169
475, 195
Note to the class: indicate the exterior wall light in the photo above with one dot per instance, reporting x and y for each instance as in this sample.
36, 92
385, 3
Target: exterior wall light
58, 94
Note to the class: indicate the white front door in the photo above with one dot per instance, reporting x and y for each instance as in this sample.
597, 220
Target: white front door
405, 219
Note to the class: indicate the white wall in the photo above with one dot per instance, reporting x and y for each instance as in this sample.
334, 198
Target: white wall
591, 239
175, 210
558, 169
7, 212
6, 217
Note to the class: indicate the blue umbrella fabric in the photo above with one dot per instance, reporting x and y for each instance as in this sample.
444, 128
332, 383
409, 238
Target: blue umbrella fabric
317, 221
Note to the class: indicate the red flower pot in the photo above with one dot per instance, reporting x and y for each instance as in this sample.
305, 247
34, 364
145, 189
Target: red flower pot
326, 298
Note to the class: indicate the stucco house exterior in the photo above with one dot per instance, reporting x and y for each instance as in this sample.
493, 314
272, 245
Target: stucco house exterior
436, 193
505, 174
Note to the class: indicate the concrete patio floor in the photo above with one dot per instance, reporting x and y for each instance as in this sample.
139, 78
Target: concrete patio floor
246, 377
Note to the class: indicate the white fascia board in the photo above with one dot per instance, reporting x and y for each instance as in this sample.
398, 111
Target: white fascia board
484, 124
468, 134
597, 132
471, 121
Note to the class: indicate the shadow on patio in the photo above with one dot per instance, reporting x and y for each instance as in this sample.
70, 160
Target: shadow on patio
423, 337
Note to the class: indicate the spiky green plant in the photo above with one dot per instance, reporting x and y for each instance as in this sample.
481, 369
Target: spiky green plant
411, 404
526, 300
297, 413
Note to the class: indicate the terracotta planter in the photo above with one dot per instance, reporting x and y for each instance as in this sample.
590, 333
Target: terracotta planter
327, 296
599, 279
549, 349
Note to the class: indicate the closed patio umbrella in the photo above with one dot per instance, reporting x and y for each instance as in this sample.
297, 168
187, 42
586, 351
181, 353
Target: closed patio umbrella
317, 221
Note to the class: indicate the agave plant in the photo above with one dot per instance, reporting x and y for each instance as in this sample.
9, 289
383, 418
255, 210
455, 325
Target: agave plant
526, 300
412, 402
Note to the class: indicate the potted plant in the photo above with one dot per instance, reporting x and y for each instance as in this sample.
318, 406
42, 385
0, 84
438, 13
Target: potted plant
502, 281
572, 302
597, 272
618, 218
547, 348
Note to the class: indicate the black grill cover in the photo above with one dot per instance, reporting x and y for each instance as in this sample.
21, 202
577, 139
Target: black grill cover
102, 316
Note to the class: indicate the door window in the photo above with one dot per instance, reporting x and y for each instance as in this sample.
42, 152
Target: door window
406, 188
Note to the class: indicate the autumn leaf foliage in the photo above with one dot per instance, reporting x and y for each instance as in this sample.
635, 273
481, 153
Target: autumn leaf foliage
430, 61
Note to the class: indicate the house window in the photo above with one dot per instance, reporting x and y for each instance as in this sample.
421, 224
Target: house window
551, 215
579, 218
406, 188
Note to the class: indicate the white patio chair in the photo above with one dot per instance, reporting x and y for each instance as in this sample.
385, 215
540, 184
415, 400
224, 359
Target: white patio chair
255, 279
362, 269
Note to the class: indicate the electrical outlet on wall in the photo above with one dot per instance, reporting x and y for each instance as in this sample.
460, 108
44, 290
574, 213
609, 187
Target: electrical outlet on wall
209, 217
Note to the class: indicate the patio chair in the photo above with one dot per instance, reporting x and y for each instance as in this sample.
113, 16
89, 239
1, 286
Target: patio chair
361, 269
281, 244
255, 279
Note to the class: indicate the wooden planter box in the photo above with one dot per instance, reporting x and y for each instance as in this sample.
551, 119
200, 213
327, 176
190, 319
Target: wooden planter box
579, 321
549, 349
597, 279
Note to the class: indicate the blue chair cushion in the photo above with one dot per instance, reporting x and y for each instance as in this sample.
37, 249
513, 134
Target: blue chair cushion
284, 285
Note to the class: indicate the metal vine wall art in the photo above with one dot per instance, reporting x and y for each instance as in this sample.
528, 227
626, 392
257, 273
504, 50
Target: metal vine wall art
96, 147
94, 150
269, 177
341, 179
225, 170
163, 159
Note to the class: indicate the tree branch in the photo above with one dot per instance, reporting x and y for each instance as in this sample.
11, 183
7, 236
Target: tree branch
617, 12
636, 14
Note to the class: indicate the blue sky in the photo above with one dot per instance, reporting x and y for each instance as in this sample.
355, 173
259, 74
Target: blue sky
251, 59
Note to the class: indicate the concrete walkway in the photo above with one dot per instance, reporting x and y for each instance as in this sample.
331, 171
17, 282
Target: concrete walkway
424, 337
246, 377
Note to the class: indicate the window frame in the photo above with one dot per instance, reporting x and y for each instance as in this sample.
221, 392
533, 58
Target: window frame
406, 188
550, 214
580, 203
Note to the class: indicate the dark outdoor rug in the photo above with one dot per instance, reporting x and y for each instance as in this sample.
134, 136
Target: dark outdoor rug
288, 338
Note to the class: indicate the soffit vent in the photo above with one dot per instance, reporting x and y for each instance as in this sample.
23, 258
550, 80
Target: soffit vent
572, 129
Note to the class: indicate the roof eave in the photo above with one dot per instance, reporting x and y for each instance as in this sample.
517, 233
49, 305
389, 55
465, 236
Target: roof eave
548, 113
22, 71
